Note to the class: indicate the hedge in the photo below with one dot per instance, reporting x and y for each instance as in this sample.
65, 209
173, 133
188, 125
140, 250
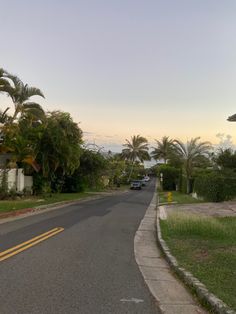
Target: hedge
170, 177
216, 186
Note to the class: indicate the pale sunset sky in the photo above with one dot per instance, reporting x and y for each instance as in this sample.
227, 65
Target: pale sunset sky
128, 67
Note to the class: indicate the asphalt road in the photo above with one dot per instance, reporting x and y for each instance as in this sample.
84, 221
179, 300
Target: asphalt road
87, 268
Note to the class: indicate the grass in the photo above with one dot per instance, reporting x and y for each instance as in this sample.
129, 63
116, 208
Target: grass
177, 197
34, 201
31, 202
206, 247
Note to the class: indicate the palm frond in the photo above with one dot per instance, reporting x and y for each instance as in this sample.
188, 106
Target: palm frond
32, 91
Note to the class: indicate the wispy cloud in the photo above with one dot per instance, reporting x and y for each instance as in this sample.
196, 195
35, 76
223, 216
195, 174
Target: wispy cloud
225, 141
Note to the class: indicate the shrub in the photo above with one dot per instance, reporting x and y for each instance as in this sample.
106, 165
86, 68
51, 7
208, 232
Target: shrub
170, 177
216, 186
3, 184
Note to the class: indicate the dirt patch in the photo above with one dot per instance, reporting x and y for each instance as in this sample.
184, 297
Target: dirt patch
201, 255
14, 213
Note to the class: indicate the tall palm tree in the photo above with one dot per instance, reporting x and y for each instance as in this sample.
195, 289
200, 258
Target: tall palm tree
4, 118
163, 149
20, 94
190, 154
232, 118
4, 83
135, 149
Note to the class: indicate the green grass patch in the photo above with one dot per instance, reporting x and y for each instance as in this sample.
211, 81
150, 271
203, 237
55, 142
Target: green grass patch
31, 202
177, 197
206, 247
34, 201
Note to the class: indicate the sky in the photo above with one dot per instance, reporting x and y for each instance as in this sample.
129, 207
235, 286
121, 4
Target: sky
128, 67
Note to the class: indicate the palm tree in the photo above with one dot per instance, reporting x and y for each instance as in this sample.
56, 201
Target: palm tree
232, 118
20, 94
164, 149
190, 154
4, 83
135, 150
4, 118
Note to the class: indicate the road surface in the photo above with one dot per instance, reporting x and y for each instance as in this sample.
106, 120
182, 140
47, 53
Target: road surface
76, 259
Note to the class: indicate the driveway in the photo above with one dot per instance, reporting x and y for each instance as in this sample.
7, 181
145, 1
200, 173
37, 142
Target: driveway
224, 209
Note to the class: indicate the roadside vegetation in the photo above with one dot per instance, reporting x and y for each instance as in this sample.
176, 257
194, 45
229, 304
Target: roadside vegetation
34, 201
206, 247
176, 197
49, 147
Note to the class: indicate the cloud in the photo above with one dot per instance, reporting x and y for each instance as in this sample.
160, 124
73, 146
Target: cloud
225, 141
88, 133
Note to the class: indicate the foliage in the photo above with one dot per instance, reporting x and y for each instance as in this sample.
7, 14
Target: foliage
177, 197
16, 130
58, 150
20, 94
135, 150
35, 201
226, 158
216, 186
89, 175
41, 184
232, 118
164, 149
170, 177
3, 184
4, 117
60, 144
193, 154
116, 169
174, 160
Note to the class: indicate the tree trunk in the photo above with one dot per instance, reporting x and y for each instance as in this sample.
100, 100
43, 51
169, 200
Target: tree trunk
131, 171
188, 185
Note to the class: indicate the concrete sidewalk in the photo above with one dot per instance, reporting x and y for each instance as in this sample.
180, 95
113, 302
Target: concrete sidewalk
224, 209
170, 293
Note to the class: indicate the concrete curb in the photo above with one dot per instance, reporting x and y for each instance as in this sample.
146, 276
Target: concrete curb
217, 305
169, 292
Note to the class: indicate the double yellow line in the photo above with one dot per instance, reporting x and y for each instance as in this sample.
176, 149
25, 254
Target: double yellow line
25, 245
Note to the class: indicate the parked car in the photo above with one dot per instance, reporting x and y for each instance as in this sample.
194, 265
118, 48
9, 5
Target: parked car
146, 178
136, 185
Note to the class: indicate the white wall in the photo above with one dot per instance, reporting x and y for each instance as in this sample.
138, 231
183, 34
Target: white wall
17, 179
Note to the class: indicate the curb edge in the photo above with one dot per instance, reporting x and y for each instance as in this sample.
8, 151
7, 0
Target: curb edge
200, 289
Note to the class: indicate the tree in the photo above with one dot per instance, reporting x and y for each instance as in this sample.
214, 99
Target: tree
58, 151
135, 150
4, 82
60, 144
22, 140
191, 154
164, 149
4, 118
89, 174
20, 94
116, 168
232, 118
226, 158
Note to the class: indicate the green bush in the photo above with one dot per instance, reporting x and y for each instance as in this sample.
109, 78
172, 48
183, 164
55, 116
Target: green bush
3, 185
216, 186
170, 177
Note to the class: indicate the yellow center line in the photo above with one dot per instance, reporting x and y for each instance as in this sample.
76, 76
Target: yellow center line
25, 245
27, 242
